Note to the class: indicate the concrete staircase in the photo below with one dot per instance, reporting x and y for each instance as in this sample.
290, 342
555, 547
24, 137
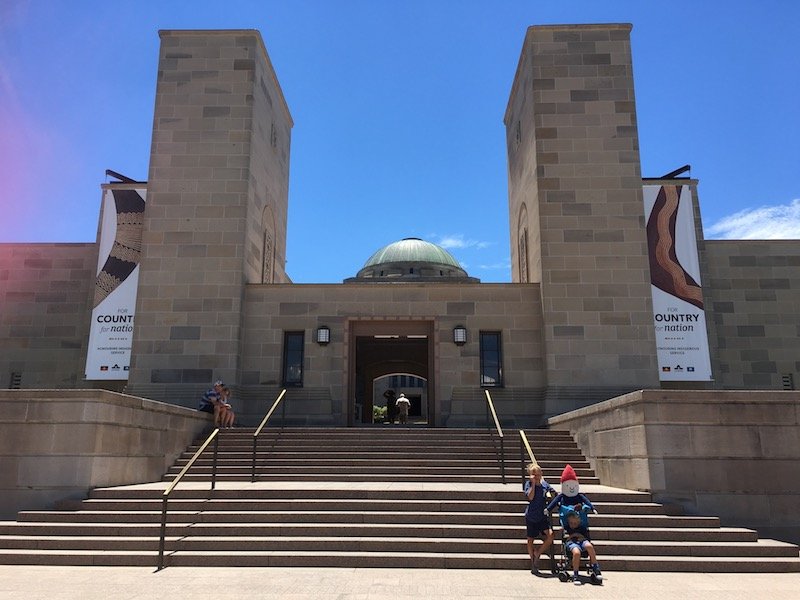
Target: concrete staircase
372, 497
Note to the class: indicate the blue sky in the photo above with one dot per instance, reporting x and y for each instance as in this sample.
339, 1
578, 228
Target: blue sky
398, 110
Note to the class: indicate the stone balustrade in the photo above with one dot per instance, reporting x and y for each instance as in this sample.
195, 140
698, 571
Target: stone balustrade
735, 454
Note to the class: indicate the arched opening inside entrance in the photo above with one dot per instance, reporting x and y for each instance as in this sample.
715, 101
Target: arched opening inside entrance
412, 387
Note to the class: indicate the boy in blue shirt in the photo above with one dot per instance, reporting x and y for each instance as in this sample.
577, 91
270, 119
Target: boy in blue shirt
537, 523
576, 542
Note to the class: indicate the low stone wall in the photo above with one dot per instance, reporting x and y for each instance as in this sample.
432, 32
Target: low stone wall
55, 445
735, 454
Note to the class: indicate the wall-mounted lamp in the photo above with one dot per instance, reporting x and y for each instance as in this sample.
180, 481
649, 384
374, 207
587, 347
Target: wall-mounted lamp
459, 335
323, 335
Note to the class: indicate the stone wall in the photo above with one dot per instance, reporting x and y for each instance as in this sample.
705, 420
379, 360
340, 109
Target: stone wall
55, 446
735, 454
45, 306
755, 287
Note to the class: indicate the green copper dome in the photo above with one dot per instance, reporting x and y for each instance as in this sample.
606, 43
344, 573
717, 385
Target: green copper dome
412, 250
412, 260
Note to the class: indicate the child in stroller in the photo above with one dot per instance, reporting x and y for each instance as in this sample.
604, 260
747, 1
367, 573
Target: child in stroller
576, 543
572, 510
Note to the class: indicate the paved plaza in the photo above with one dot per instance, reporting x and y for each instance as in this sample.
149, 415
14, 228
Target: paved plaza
128, 583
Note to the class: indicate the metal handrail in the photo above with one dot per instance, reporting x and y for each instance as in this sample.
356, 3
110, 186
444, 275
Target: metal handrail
261, 426
550, 494
490, 407
527, 447
524, 445
170, 487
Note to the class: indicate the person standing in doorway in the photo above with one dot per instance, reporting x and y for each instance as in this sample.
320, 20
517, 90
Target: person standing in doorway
391, 405
403, 404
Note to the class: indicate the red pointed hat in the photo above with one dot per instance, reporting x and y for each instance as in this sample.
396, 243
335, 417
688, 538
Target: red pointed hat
568, 473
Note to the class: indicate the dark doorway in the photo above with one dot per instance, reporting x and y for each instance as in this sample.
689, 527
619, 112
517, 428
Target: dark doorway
390, 348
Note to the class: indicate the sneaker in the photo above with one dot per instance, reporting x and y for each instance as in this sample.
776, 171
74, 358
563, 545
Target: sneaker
576, 580
596, 571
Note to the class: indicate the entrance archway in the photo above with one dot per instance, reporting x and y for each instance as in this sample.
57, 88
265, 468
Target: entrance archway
381, 348
412, 387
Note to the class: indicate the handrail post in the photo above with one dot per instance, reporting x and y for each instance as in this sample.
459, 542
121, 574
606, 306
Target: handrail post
214, 463
490, 406
163, 533
255, 443
502, 460
171, 486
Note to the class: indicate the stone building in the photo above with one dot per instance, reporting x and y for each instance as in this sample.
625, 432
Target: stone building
574, 327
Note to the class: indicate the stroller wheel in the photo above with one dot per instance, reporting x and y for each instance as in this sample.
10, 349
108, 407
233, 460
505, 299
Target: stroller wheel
563, 576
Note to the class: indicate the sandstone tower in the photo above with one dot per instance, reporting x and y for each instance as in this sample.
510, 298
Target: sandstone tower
216, 212
576, 212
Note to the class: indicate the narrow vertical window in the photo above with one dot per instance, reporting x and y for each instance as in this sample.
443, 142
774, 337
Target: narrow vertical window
491, 359
293, 342
267, 256
523, 256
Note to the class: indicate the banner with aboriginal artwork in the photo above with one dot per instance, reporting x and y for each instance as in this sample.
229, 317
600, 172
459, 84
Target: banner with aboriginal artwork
678, 315
120, 245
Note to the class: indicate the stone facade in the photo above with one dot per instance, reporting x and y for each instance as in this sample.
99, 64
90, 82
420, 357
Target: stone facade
45, 306
214, 299
755, 288
432, 310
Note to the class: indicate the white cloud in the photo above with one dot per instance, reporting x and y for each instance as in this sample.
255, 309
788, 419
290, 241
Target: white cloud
781, 222
496, 266
458, 241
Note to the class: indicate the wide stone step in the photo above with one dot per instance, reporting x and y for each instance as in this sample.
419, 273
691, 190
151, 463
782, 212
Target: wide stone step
387, 430
300, 463
429, 453
353, 477
386, 544
311, 529
387, 560
357, 491
366, 465
465, 469
352, 517
555, 458
479, 445
401, 434
365, 504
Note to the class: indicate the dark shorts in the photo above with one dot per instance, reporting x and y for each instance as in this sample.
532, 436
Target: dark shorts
207, 408
537, 528
570, 544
